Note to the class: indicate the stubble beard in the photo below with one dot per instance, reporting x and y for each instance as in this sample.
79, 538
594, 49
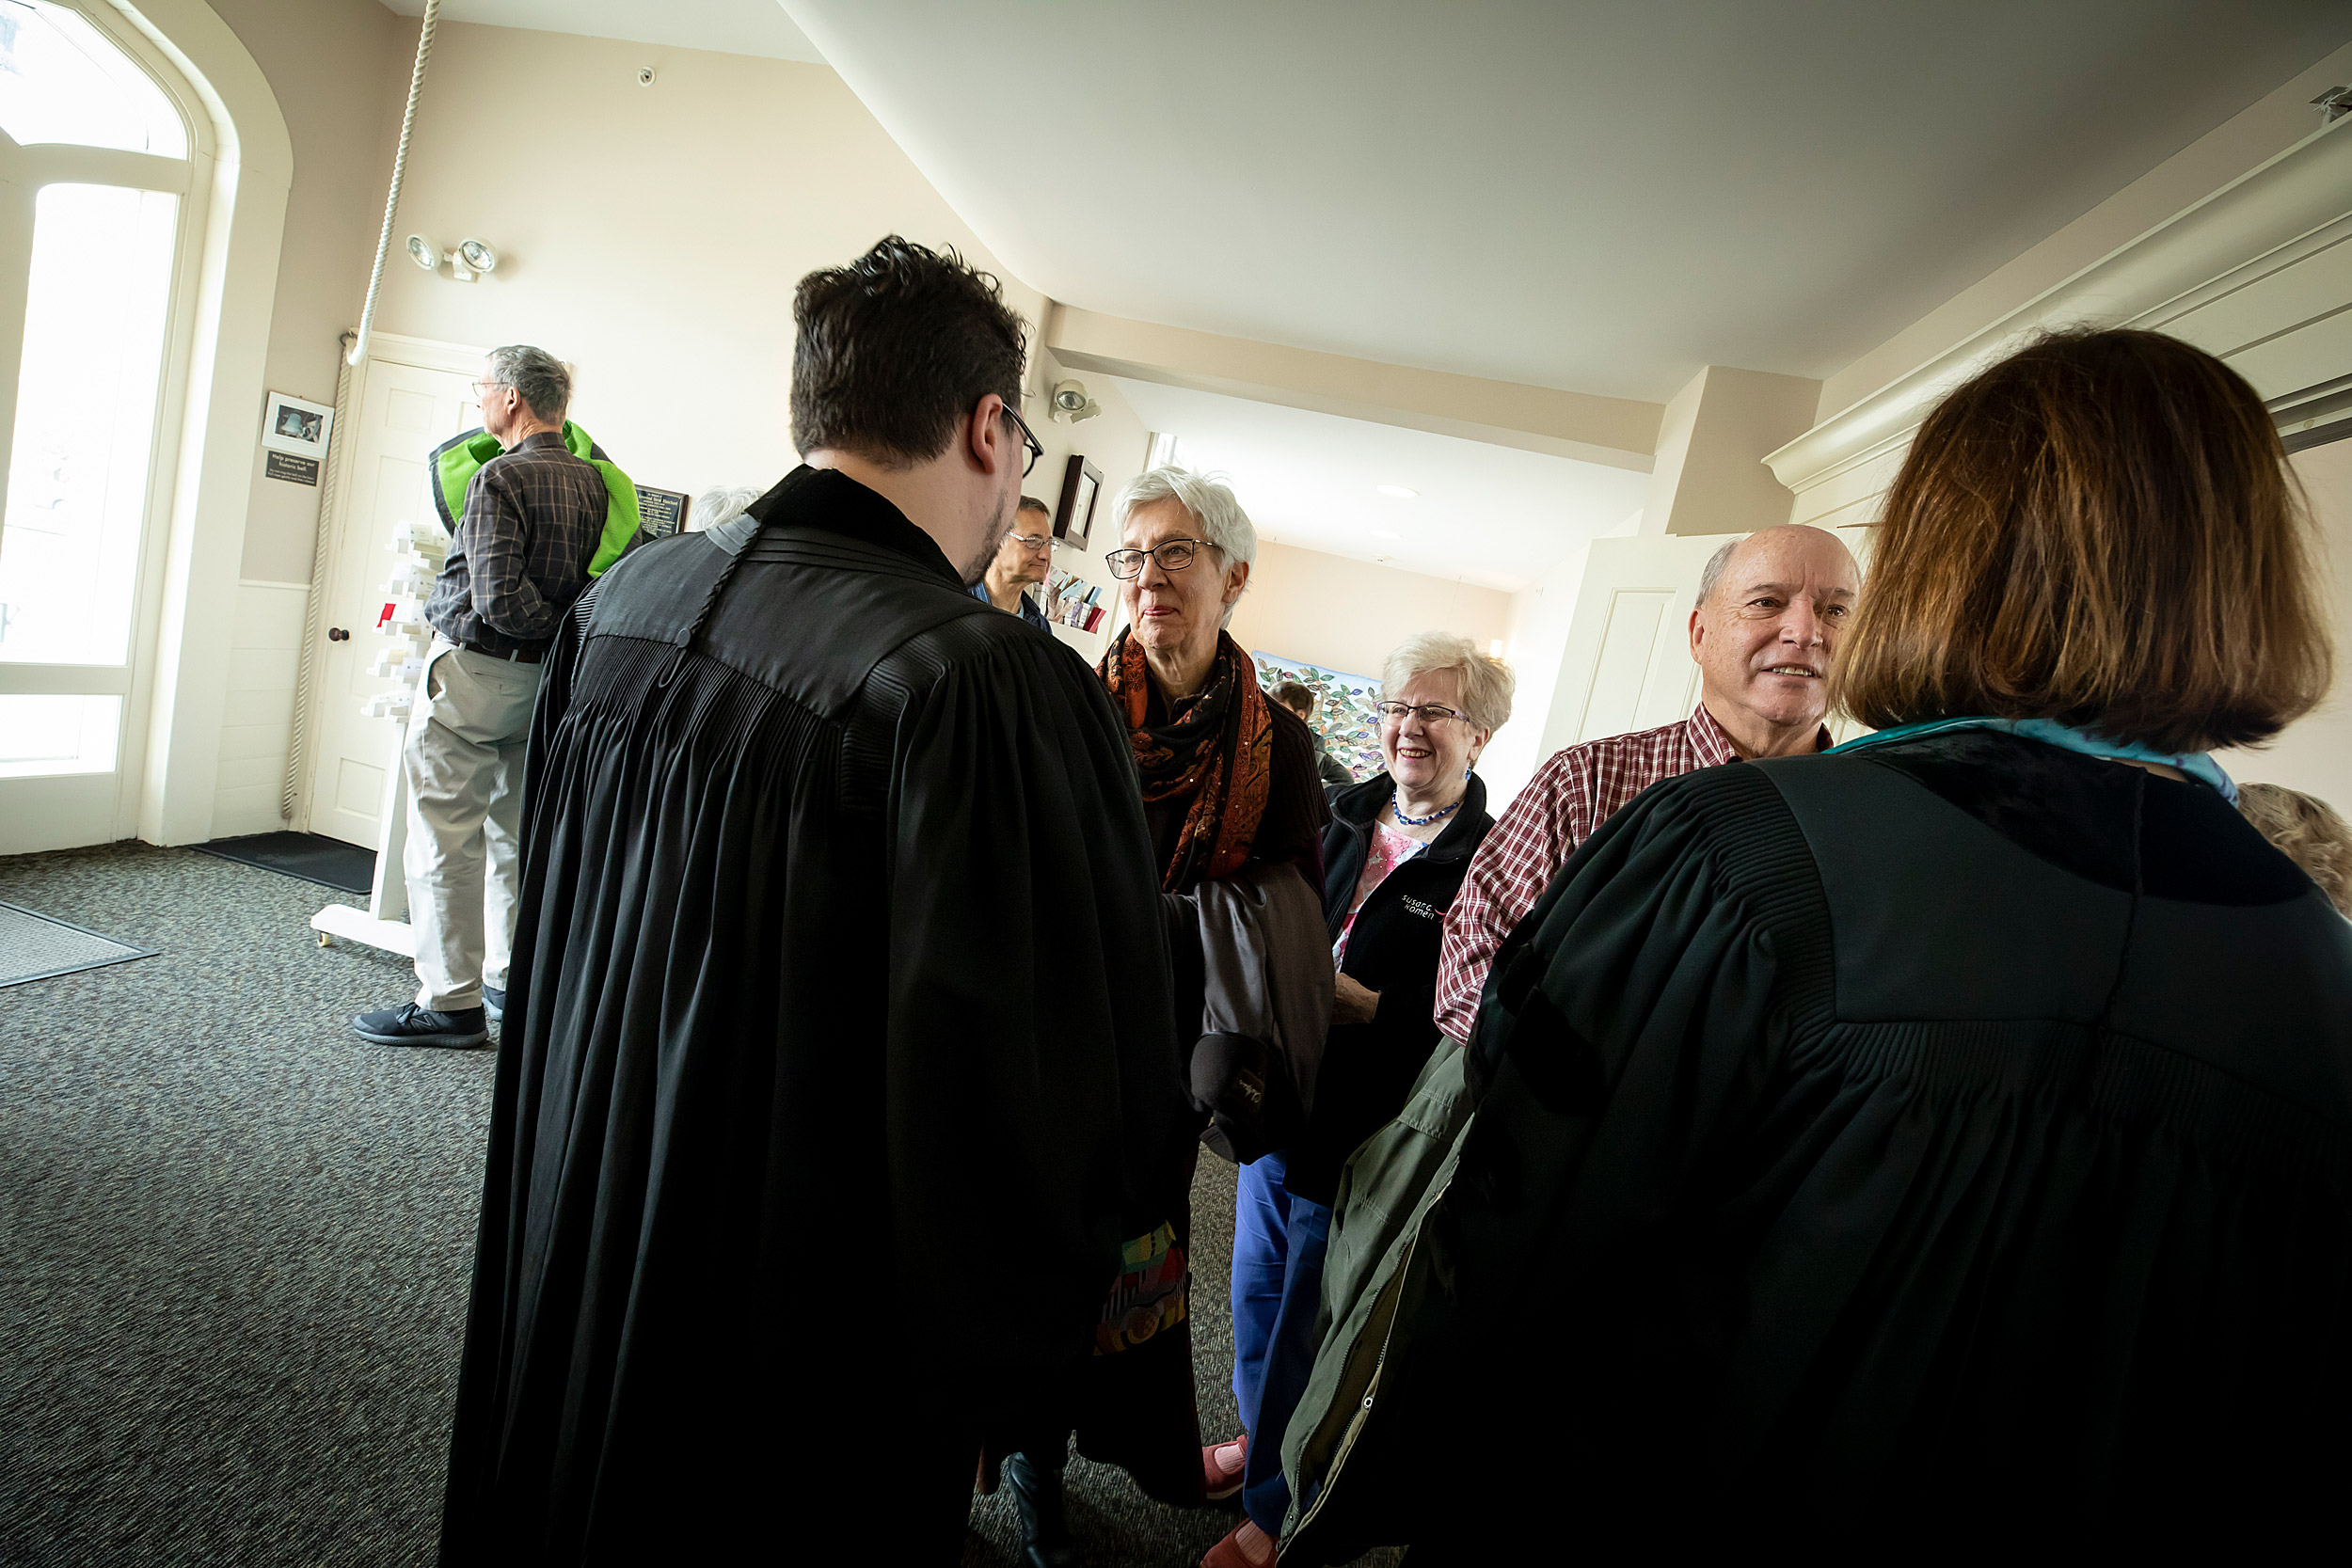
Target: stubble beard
1000, 525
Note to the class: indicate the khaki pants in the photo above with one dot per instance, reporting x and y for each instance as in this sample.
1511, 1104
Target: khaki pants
463, 758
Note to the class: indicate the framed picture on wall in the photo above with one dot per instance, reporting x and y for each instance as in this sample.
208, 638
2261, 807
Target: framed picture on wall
1081, 487
293, 425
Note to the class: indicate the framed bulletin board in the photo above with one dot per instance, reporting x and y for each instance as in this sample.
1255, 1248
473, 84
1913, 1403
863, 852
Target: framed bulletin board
1081, 488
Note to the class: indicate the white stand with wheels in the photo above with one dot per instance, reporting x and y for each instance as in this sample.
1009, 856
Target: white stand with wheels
384, 924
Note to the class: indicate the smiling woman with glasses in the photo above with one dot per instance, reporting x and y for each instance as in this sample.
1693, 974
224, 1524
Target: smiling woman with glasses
1394, 859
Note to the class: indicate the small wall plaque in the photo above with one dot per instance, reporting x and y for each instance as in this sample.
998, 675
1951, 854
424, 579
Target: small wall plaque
285, 466
661, 512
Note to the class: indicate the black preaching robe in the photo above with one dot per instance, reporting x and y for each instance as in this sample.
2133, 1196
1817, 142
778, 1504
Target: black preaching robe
837, 1060
1945, 1143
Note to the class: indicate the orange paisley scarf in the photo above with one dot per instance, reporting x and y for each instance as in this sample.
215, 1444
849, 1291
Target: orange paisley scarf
1215, 749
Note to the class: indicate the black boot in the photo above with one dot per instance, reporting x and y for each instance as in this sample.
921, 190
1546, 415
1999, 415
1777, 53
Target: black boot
1037, 1497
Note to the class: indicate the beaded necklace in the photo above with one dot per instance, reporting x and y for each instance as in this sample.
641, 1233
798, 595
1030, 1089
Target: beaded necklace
1398, 811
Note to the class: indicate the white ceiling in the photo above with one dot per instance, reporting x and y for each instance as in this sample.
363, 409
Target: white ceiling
1494, 516
728, 27
1587, 194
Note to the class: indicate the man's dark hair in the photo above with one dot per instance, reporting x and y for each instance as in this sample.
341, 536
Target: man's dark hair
892, 350
1292, 696
1030, 504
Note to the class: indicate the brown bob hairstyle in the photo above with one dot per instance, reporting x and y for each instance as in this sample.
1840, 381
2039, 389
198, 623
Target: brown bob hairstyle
2098, 529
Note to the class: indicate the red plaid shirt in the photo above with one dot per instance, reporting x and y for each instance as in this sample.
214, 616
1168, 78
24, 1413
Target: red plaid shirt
1563, 805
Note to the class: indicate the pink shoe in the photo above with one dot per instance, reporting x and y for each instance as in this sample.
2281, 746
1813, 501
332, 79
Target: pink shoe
1218, 1481
1228, 1553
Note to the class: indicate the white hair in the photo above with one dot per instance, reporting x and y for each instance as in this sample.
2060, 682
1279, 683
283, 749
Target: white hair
537, 377
1214, 510
1487, 683
714, 507
1713, 573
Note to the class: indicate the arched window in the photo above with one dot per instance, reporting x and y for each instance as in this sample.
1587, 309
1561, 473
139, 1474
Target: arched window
95, 182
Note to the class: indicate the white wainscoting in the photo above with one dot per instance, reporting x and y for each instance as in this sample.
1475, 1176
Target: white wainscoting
257, 725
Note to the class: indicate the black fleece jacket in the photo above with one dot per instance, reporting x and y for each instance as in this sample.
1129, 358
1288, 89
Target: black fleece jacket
1368, 1068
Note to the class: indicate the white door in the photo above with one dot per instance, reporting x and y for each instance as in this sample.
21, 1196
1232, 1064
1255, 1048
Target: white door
401, 412
1627, 664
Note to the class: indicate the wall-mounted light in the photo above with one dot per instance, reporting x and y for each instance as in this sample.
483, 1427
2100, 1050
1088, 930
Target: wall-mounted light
470, 260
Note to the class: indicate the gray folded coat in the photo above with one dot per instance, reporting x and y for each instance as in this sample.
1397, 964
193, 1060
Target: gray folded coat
1266, 1006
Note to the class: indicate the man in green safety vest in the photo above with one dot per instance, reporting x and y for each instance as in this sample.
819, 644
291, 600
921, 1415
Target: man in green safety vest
534, 510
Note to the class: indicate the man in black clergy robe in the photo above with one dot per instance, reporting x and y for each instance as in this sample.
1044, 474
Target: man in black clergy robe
839, 1057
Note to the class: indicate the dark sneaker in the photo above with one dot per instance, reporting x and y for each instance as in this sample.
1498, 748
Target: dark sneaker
409, 1024
494, 1004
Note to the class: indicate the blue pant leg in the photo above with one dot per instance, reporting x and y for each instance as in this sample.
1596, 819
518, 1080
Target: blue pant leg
1290, 1358
1261, 1260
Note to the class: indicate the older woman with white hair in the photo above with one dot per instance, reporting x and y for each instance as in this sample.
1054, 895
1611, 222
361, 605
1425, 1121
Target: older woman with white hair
1229, 796
715, 507
1228, 777
1393, 858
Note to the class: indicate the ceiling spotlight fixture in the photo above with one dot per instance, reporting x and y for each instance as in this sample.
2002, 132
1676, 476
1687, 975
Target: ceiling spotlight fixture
1406, 492
424, 253
1071, 403
1386, 533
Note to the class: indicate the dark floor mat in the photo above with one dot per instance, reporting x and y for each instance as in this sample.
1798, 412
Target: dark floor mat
312, 857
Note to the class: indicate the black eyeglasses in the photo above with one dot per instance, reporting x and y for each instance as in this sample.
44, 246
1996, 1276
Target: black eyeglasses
1028, 439
1173, 555
1431, 713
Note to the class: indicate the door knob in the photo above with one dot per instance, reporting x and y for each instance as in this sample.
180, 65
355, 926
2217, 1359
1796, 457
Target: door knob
337, 634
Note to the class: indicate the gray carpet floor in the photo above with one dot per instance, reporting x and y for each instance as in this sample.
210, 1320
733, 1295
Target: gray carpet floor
236, 1241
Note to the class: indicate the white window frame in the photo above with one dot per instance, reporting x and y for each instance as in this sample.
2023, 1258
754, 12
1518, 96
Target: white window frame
231, 192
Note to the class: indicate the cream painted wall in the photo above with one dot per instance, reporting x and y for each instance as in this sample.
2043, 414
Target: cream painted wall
1116, 442
2315, 754
662, 273
338, 70
1535, 638
651, 236
1348, 614
1711, 476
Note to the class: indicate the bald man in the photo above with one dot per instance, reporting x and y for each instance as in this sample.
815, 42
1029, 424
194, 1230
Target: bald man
1769, 610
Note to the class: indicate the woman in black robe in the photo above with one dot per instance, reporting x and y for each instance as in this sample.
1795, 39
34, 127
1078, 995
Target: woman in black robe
1944, 1141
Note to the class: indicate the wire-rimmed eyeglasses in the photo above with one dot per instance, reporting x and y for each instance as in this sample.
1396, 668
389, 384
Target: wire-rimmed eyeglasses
1431, 713
1173, 555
